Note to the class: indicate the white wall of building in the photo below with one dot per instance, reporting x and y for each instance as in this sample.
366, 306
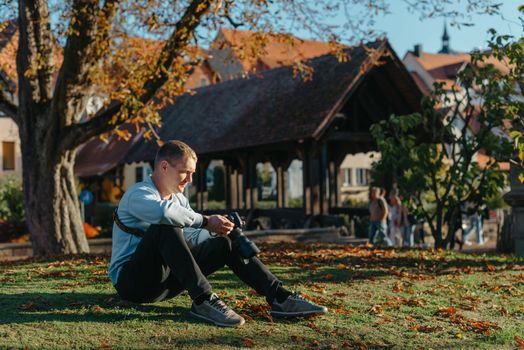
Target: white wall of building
134, 172
355, 176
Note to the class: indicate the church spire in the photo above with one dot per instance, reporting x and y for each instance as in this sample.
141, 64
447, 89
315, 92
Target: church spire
445, 40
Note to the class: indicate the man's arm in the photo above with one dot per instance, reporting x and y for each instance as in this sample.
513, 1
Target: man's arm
213, 223
149, 207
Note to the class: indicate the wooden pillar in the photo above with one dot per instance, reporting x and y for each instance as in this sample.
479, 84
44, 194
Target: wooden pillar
234, 185
251, 183
280, 163
227, 185
324, 180
281, 186
337, 155
201, 185
311, 173
239, 189
333, 184
247, 183
306, 180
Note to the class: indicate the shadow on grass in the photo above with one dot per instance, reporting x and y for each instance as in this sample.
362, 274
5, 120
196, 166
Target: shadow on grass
82, 307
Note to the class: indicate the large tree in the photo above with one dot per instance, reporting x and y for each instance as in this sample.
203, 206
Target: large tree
53, 87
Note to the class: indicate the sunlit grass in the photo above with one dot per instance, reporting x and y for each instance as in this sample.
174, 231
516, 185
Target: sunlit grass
377, 299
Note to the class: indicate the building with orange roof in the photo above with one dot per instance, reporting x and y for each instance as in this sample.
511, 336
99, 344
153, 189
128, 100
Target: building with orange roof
235, 53
443, 67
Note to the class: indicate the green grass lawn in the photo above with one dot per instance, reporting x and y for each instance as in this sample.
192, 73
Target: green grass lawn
398, 299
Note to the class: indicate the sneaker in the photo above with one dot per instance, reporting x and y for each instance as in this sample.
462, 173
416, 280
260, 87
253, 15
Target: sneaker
296, 305
217, 312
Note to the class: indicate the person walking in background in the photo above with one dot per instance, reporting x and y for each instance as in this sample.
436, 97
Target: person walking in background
475, 224
394, 219
378, 214
405, 225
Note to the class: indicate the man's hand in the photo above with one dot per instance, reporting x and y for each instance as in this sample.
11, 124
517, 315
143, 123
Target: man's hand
219, 224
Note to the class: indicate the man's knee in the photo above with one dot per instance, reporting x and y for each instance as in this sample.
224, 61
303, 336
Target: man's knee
159, 233
224, 243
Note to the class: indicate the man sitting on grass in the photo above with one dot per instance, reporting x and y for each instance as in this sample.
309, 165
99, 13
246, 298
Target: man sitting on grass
162, 247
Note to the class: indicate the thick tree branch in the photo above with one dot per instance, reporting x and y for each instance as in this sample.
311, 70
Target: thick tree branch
35, 53
86, 43
77, 134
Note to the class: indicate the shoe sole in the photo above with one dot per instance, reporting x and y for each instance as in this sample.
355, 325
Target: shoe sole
297, 314
193, 314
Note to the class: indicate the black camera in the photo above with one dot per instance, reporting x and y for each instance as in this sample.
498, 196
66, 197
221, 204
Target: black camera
241, 243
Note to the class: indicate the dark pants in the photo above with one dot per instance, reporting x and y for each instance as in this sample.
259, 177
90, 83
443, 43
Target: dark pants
163, 265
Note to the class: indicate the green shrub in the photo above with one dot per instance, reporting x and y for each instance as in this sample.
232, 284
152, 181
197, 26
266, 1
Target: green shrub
12, 200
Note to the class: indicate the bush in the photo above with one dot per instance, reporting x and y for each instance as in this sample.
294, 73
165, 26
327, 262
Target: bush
12, 212
12, 200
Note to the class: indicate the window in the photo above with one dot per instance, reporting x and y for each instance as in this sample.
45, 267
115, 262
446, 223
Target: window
348, 181
362, 176
8, 155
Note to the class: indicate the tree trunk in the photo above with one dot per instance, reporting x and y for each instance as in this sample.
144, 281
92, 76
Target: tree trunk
51, 202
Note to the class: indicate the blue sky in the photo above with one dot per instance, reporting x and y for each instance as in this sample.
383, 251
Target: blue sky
405, 29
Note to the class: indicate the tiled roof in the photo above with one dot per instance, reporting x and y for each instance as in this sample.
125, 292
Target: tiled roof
278, 50
445, 66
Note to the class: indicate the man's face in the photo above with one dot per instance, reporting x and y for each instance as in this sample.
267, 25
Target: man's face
178, 173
